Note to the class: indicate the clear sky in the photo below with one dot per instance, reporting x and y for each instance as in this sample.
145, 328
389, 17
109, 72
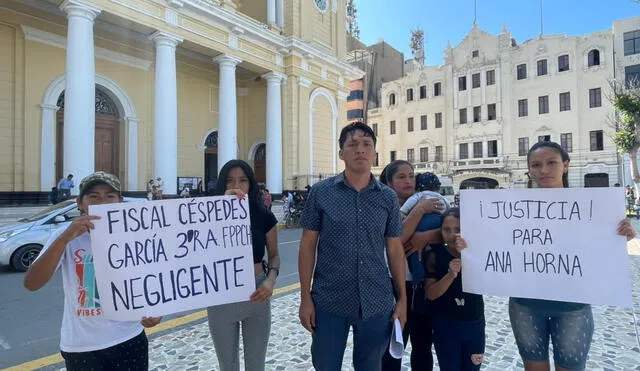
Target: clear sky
451, 20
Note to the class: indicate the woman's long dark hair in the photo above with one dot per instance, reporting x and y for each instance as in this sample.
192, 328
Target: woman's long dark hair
558, 148
255, 196
390, 170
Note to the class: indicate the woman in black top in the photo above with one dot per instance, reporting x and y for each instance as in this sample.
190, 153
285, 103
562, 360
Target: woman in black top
458, 317
237, 178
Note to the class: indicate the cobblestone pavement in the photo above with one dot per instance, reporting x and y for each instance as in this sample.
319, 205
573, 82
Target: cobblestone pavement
615, 345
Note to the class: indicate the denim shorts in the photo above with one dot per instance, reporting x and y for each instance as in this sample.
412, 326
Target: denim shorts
571, 333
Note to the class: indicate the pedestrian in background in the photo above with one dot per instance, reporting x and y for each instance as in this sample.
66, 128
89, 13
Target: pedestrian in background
64, 187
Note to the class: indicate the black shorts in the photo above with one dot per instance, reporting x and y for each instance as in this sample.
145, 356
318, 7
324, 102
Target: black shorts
131, 355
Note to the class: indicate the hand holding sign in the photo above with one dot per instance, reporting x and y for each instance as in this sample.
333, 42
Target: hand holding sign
626, 229
454, 267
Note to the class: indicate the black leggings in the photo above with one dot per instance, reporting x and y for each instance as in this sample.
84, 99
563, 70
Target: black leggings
132, 355
420, 330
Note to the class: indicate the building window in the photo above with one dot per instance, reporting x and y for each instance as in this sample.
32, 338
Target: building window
354, 114
595, 98
543, 104
423, 92
374, 127
596, 139
563, 63
491, 77
523, 108
542, 67
477, 150
392, 99
566, 141
392, 127
522, 71
475, 80
565, 101
423, 122
377, 161
410, 124
410, 95
464, 151
462, 83
438, 120
491, 111
632, 42
492, 150
411, 156
475, 54
463, 115
593, 58
438, 153
355, 95
632, 75
523, 146
437, 89
544, 138
477, 114
424, 154
392, 156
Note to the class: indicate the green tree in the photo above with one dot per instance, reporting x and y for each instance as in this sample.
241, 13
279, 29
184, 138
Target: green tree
626, 100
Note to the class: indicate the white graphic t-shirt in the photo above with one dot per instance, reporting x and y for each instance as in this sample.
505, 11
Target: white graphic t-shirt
84, 329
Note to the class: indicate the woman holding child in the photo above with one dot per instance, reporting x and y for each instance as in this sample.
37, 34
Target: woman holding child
399, 175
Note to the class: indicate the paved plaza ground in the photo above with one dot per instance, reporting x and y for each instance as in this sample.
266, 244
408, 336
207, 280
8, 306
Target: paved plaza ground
615, 345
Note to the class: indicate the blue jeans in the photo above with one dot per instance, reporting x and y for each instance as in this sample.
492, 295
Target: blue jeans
456, 342
370, 340
570, 331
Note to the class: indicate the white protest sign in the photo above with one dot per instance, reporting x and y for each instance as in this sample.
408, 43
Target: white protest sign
553, 244
162, 257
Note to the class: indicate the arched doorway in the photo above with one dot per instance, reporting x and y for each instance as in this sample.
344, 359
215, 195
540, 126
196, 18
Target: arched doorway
260, 163
479, 183
211, 161
107, 135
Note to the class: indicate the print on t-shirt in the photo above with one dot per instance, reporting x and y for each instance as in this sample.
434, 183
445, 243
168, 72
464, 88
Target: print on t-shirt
88, 298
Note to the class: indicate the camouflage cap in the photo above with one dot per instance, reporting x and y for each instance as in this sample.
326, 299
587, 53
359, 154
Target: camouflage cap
99, 177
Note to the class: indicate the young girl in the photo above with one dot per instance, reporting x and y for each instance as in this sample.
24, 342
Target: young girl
569, 325
458, 317
88, 341
237, 178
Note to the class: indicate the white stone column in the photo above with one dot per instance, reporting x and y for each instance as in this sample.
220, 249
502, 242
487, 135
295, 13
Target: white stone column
132, 156
485, 149
271, 12
280, 13
80, 91
274, 131
48, 148
228, 116
165, 135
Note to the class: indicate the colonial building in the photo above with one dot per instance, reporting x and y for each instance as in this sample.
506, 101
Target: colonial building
475, 117
170, 88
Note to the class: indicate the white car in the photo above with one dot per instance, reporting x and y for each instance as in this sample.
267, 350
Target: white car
21, 242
